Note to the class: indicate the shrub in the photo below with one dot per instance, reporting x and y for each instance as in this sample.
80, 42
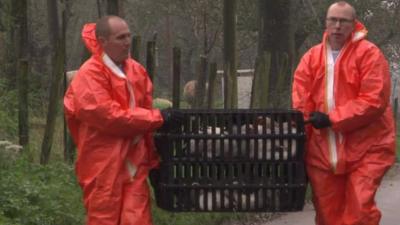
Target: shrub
8, 110
33, 194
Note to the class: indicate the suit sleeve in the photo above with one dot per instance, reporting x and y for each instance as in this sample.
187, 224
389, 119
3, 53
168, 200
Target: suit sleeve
154, 158
95, 106
373, 97
301, 88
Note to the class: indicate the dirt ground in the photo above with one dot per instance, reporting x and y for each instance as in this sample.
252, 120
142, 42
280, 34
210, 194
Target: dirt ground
388, 200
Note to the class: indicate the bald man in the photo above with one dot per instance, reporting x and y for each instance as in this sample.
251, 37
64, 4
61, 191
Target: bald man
108, 107
342, 86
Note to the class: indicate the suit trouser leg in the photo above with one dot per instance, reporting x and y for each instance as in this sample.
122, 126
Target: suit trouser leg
328, 195
136, 208
349, 199
361, 188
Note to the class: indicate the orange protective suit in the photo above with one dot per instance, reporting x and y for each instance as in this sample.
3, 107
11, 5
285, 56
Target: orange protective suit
346, 162
110, 117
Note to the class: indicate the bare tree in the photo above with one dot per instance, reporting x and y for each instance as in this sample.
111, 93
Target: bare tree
230, 76
114, 7
56, 36
275, 57
20, 34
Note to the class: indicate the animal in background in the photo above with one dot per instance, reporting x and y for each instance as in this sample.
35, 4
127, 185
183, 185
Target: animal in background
189, 92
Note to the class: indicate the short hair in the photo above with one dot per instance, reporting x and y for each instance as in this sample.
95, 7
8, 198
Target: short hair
103, 26
344, 3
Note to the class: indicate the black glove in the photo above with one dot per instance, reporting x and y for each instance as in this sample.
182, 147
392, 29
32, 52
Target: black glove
172, 119
319, 120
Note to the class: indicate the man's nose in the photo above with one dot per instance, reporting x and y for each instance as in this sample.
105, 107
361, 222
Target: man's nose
127, 41
337, 23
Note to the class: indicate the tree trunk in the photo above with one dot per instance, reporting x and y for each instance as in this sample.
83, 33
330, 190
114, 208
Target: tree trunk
23, 112
276, 44
260, 87
20, 34
69, 146
58, 36
114, 7
19, 10
230, 76
100, 8
53, 102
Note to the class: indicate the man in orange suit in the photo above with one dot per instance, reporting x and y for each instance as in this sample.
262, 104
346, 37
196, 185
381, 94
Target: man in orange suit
342, 86
108, 107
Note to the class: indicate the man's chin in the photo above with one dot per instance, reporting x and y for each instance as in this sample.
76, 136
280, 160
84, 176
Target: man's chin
124, 58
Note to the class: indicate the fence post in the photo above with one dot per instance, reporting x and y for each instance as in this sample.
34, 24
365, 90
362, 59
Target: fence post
135, 50
211, 85
201, 83
151, 59
176, 77
23, 87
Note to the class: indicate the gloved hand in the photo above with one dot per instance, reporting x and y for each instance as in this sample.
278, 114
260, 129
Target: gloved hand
172, 119
320, 120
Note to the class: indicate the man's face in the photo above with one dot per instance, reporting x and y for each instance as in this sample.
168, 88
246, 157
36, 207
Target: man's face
117, 44
339, 25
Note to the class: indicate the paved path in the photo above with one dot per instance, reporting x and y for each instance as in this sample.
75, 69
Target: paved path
388, 199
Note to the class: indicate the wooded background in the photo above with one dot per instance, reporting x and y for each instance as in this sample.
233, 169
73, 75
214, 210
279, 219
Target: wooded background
40, 40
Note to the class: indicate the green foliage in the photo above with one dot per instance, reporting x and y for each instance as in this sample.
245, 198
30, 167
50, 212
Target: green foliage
161, 217
8, 112
35, 194
38, 95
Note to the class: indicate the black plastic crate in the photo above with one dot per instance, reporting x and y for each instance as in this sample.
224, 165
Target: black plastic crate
241, 160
